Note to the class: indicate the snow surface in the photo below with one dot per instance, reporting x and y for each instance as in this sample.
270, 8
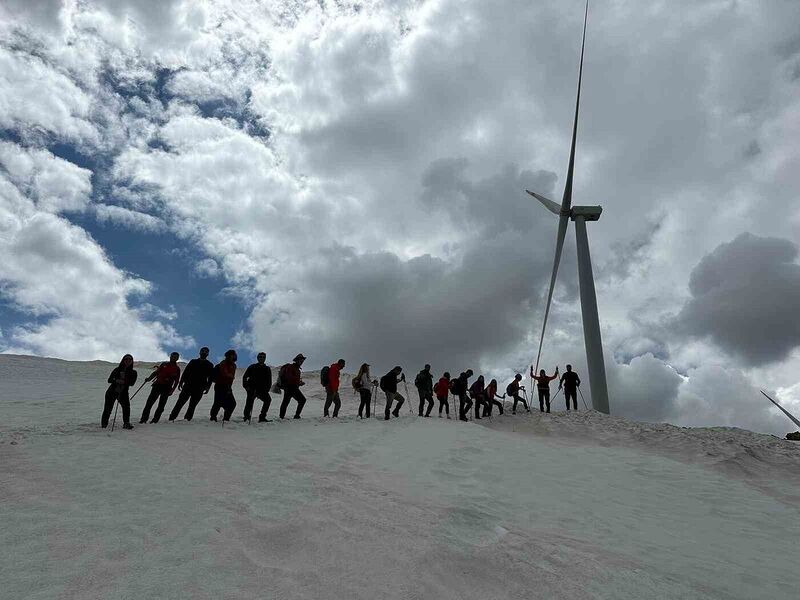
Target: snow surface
571, 506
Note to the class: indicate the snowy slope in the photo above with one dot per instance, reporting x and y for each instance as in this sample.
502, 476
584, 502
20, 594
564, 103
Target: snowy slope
527, 506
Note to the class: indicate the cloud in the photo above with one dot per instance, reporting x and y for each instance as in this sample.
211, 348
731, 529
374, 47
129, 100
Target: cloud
55, 273
118, 215
743, 294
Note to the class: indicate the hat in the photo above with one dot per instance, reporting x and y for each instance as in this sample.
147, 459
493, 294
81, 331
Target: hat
299, 357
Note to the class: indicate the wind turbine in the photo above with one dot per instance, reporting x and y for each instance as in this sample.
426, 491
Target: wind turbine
579, 214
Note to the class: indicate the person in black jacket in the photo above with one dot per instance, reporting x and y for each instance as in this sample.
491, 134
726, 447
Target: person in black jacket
459, 388
476, 392
194, 383
571, 383
121, 380
424, 385
388, 385
257, 381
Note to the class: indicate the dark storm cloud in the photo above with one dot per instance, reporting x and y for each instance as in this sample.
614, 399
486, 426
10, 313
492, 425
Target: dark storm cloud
745, 296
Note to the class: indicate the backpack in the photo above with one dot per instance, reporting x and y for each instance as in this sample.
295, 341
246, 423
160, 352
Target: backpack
454, 386
383, 382
420, 380
323, 376
510, 389
279, 383
356, 383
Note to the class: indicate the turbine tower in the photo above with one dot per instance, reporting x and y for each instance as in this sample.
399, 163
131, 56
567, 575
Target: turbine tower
579, 214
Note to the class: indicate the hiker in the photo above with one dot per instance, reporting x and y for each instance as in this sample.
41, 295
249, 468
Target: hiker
424, 384
224, 374
512, 389
388, 385
543, 387
362, 383
257, 381
476, 391
458, 387
290, 380
166, 376
441, 390
571, 383
489, 399
195, 381
121, 380
329, 377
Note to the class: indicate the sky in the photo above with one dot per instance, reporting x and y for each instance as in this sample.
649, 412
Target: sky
346, 179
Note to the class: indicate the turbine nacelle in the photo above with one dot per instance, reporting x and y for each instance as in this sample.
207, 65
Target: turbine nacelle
589, 213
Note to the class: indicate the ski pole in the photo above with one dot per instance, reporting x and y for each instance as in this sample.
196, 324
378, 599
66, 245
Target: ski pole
582, 398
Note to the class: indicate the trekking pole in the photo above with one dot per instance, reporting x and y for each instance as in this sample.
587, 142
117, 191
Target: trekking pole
408, 398
116, 403
582, 398
114, 422
374, 398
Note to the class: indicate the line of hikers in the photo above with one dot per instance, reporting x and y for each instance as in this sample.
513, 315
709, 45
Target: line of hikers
200, 374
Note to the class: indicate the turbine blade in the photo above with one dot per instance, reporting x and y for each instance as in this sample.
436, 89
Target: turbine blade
786, 412
566, 201
563, 221
548, 204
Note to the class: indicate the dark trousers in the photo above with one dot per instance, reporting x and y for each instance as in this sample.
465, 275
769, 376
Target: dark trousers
571, 393
288, 394
252, 394
518, 398
160, 392
423, 396
223, 398
544, 398
332, 398
193, 395
478, 404
489, 404
443, 404
366, 400
113, 395
464, 405
390, 397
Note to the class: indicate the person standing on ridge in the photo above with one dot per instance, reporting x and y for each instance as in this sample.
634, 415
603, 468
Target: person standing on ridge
459, 388
362, 383
512, 389
224, 374
257, 381
120, 380
195, 381
571, 383
489, 399
290, 379
476, 392
166, 376
441, 390
388, 385
424, 384
543, 387
331, 385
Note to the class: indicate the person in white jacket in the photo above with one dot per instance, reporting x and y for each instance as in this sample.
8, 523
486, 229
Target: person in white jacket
364, 386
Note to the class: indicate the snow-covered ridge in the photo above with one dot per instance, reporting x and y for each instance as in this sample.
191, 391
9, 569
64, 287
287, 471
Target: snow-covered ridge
577, 505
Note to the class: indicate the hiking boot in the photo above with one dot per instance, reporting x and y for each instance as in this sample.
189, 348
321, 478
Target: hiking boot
213, 419
297, 417
448, 416
396, 414
127, 426
264, 420
386, 418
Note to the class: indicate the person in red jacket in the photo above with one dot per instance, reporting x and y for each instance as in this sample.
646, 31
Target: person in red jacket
166, 376
489, 399
290, 379
332, 389
224, 374
543, 387
441, 389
